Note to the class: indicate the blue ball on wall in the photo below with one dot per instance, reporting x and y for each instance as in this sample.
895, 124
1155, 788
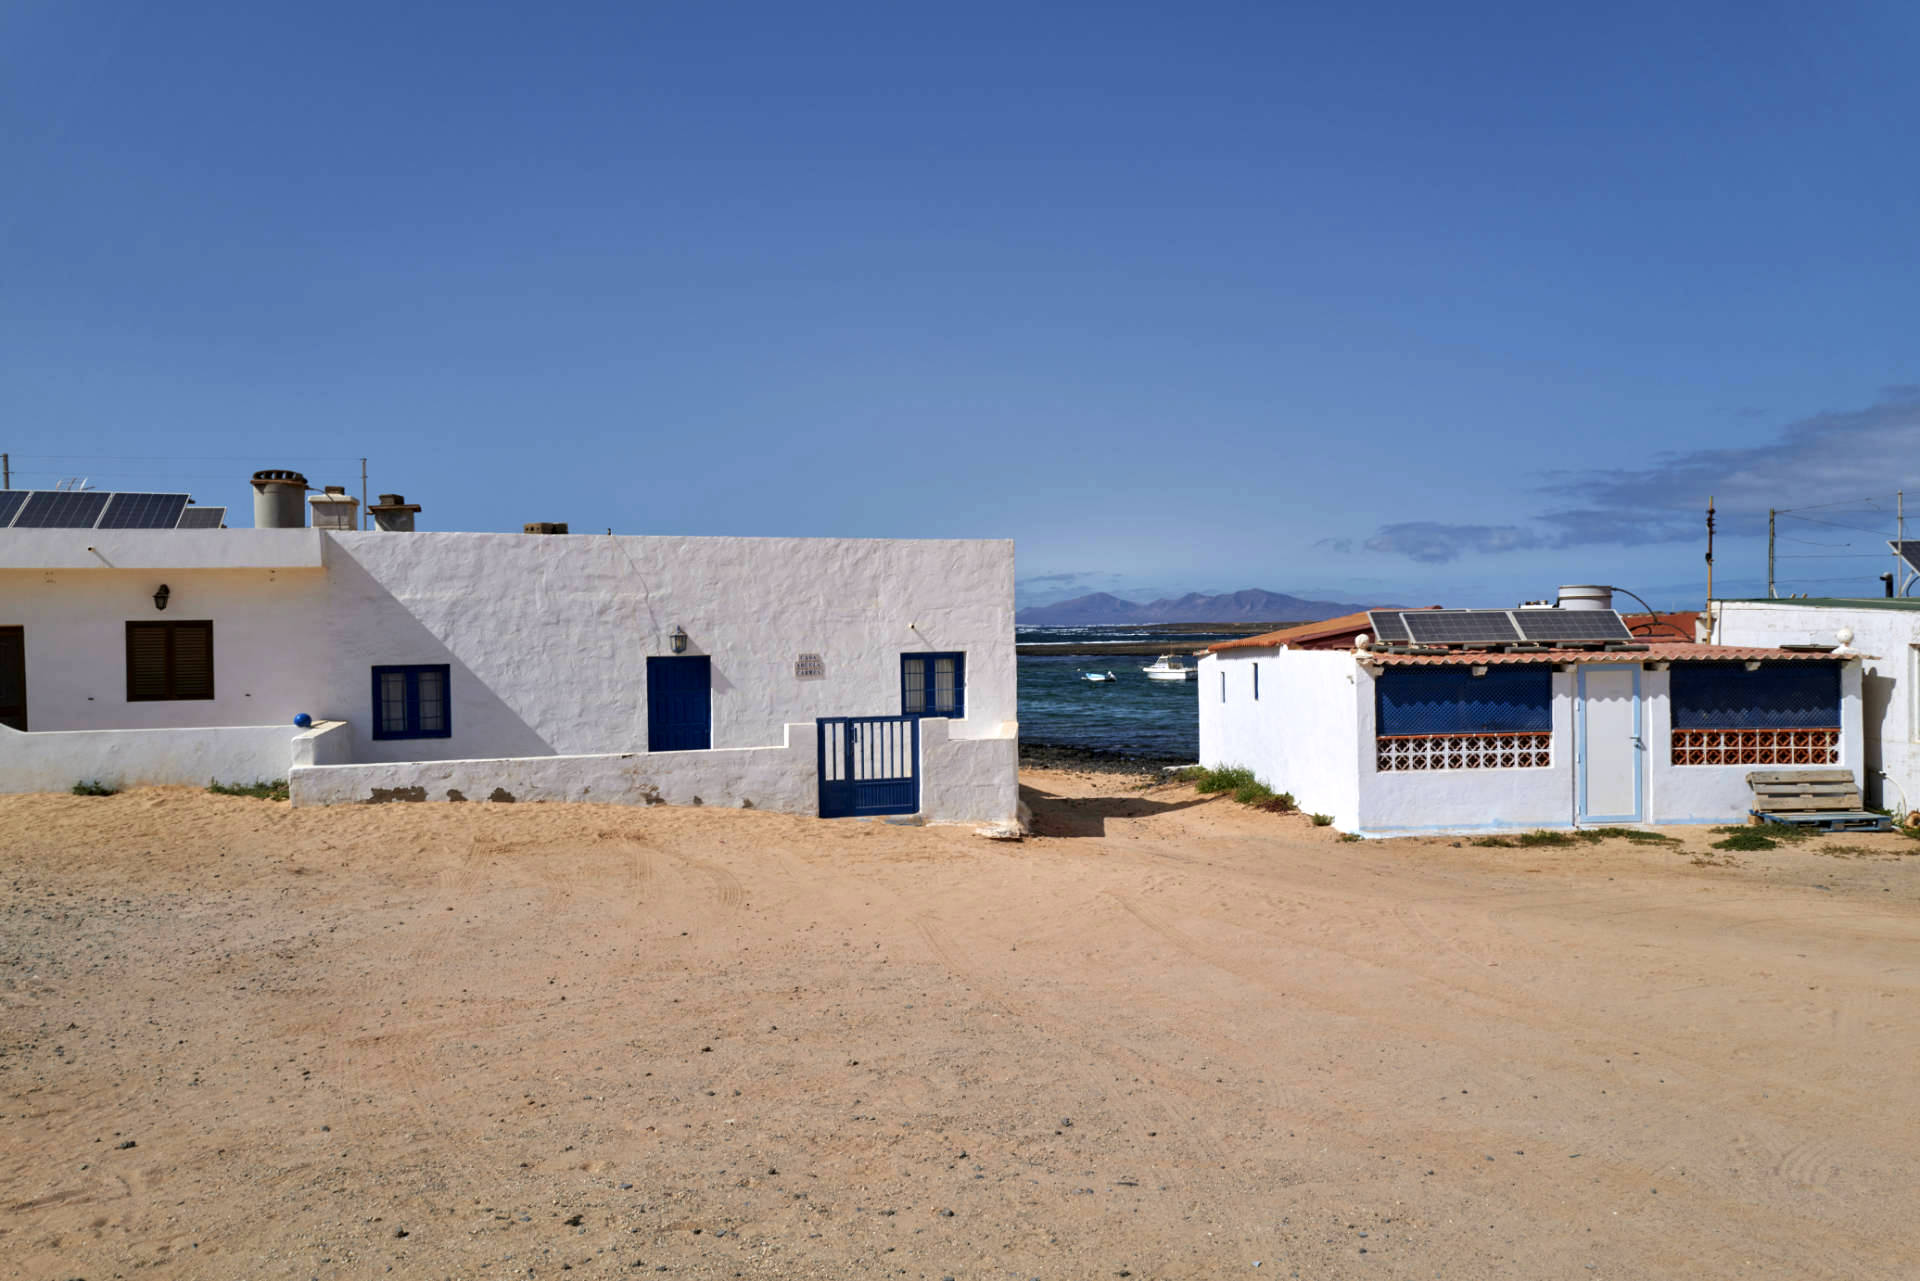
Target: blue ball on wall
303, 721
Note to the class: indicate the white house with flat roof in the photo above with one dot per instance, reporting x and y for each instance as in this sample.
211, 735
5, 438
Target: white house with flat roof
829, 676
1886, 631
1484, 733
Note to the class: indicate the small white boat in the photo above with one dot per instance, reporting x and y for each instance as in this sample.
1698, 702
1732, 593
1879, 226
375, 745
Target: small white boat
1167, 668
1097, 678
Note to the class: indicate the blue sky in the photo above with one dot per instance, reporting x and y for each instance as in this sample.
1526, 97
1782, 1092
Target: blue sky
1418, 303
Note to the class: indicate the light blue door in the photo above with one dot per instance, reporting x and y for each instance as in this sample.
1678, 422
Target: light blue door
1612, 750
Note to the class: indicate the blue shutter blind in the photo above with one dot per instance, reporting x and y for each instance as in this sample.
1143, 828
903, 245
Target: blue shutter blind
1452, 700
1779, 696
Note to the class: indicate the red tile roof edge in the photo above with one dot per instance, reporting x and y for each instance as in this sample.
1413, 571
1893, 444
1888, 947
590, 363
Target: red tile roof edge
1660, 652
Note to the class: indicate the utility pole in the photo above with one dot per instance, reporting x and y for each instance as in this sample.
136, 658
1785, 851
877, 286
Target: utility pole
1900, 541
1770, 592
6, 471
363, 493
1709, 568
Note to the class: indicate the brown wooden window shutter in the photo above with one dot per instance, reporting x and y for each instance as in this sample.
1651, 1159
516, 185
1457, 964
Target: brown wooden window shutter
169, 661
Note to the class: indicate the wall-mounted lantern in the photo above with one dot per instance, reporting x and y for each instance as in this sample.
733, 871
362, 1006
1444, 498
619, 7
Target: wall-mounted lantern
678, 640
1479, 669
160, 597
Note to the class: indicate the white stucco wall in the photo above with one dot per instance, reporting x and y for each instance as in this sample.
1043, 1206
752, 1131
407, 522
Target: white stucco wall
1890, 677
546, 637
962, 780
54, 762
1398, 803
1299, 736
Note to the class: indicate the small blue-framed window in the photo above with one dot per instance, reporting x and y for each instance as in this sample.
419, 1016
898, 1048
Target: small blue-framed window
412, 702
933, 685
1256, 682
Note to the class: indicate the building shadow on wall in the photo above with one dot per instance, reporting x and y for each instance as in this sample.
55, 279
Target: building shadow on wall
1087, 815
374, 628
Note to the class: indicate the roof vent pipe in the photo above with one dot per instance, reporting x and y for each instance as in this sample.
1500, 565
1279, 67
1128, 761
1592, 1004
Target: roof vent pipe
1586, 596
279, 499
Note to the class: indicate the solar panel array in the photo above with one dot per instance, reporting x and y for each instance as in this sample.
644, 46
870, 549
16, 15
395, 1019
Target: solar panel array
143, 511
1909, 551
55, 509
1476, 627
1571, 625
1389, 626
103, 509
1462, 627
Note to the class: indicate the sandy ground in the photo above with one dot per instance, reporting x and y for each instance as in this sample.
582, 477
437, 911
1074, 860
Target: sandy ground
1170, 1037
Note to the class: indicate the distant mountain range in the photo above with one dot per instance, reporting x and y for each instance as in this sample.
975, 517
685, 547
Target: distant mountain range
1251, 606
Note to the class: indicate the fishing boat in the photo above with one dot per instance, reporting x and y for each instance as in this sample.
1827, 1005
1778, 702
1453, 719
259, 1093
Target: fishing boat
1098, 678
1167, 668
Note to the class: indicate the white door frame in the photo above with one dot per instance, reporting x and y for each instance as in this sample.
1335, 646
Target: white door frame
1639, 749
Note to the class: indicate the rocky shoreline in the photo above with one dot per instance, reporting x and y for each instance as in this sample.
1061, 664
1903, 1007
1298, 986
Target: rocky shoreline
1092, 760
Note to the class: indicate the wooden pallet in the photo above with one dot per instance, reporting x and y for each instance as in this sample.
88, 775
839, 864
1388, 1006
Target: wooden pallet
1822, 798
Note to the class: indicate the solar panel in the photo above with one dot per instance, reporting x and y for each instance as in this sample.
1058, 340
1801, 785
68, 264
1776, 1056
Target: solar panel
143, 511
1389, 627
1572, 625
1462, 627
202, 518
1908, 551
10, 503
57, 509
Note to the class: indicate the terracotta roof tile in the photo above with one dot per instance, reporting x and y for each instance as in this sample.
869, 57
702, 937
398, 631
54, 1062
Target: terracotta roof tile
1658, 652
1327, 629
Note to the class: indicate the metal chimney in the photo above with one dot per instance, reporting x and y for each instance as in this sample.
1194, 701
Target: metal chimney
393, 513
279, 499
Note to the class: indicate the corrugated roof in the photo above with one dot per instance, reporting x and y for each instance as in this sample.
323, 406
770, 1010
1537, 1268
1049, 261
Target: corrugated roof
1326, 629
1657, 652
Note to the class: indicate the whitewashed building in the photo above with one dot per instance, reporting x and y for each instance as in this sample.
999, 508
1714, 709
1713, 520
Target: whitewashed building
1403, 738
832, 676
1886, 631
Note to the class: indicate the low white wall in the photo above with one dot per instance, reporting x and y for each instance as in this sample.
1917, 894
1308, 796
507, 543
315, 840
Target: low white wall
1299, 736
55, 761
324, 743
962, 780
781, 778
1401, 803
968, 780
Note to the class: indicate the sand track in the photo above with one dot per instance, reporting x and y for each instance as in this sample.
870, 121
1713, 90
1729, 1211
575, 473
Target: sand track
1171, 1037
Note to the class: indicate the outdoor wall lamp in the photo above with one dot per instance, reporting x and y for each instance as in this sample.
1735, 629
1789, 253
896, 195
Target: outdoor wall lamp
1751, 665
160, 597
678, 640
1479, 669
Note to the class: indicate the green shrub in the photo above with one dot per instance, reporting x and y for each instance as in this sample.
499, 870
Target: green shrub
276, 790
1580, 836
1633, 834
93, 787
1746, 838
1791, 833
1228, 778
1323, 820
1349, 836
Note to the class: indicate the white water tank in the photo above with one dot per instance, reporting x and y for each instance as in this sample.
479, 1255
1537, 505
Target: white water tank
279, 499
1587, 597
333, 509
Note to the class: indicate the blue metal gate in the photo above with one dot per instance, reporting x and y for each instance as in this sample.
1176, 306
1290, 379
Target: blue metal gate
869, 765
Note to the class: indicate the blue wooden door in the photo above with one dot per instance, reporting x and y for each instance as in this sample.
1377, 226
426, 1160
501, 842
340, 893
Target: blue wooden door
679, 704
869, 765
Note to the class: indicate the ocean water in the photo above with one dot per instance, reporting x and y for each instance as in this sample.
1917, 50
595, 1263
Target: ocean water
1132, 716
